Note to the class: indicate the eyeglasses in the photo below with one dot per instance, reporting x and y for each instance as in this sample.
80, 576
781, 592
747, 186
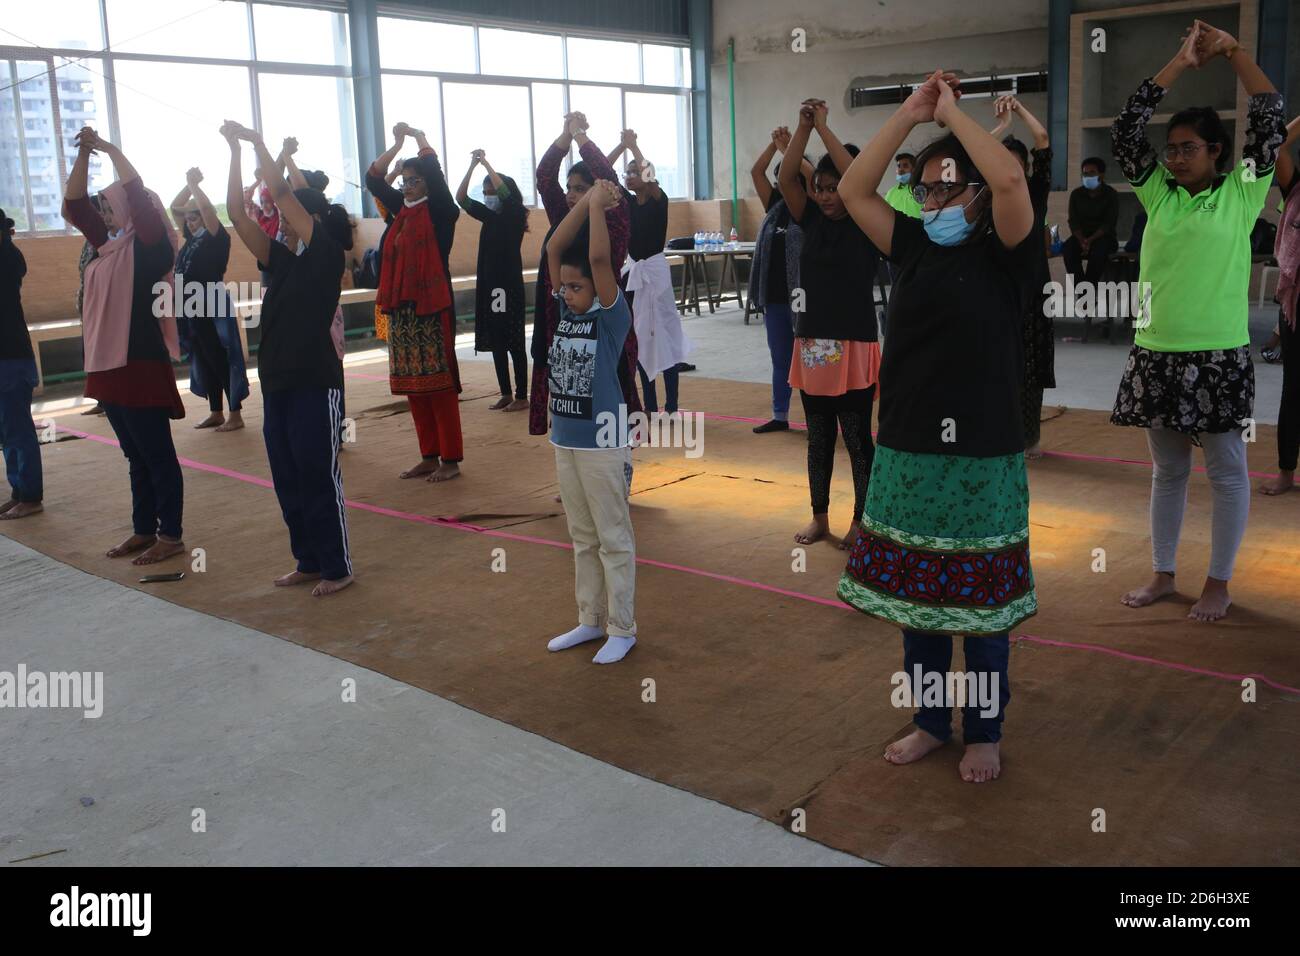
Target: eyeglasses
1187, 150
415, 181
941, 191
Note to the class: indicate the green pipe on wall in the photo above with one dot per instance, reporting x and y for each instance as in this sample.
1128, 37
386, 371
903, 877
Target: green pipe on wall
731, 80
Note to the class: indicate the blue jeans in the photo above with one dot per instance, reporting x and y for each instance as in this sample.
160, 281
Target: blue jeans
986, 656
671, 378
779, 322
17, 433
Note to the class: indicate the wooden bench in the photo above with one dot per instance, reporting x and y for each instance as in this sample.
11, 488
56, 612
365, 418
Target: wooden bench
50, 332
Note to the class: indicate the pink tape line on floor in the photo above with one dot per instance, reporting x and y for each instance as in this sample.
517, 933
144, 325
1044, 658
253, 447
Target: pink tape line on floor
698, 572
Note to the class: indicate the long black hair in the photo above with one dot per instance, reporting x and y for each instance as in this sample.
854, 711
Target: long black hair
335, 219
515, 205
1209, 127
950, 147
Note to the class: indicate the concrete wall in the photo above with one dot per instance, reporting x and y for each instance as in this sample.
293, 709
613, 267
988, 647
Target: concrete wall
856, 43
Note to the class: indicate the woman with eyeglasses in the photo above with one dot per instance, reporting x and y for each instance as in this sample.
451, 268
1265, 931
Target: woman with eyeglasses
211, 341
415, 294
836, 348
944, 545
1189, 379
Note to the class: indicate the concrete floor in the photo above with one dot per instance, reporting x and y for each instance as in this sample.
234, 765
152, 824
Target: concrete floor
203, 713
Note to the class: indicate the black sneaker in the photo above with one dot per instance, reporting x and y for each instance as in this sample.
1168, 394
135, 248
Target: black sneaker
775, 425
683, 367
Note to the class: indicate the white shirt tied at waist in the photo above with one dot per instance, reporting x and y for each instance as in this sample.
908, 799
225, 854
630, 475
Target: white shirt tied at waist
661, 344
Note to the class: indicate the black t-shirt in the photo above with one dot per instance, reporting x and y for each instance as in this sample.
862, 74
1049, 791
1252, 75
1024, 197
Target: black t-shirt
778, 283
836, 270
955, 345
649, 225
15, 342
204, 256
297, 350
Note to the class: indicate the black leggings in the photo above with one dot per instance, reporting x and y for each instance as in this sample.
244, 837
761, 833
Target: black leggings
502, 357
852, 412
1288, 413
212, 359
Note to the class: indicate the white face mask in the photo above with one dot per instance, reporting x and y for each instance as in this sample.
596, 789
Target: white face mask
302, 247
492, 202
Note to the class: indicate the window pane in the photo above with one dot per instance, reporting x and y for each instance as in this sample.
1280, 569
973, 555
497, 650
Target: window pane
42, 141
514, 53
423, 45
162, 141
665, 65
82, 102
300, 36
317, 110
487, 117
414, 100
611, 61
52, 23
603, 106
662, 125
548, 117
179, 27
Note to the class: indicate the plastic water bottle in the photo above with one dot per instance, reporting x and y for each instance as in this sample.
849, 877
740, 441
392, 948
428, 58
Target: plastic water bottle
699, 239
733, 240
717, 242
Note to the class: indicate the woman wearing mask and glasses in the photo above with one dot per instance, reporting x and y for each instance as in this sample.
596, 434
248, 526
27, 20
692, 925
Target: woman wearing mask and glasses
944, 545
1189, 378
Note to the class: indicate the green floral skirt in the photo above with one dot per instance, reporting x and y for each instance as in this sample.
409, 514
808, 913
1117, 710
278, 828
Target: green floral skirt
944, 546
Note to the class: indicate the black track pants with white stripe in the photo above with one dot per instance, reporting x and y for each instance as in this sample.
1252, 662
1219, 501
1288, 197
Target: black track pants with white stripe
301, 428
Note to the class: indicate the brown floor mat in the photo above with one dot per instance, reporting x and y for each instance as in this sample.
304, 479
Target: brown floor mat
770, 695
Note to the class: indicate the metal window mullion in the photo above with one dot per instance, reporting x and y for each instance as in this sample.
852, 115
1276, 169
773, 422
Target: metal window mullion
57, 119
255, 97
22, 145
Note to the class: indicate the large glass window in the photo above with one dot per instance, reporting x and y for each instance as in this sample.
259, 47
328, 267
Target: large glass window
163, 141
291, 35
548, 116
422, 45
415, 100
317, 110
72, 24
482, 116
30, 146
179, 28
662, 125
603, 107
515, 53
609, 61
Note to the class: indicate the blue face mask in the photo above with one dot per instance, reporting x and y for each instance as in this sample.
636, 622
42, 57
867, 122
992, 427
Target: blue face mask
1091, 182
904, 178
492, 202
948, 226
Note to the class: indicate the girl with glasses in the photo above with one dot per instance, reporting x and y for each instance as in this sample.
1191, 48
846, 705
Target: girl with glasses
1189, 379
944, 542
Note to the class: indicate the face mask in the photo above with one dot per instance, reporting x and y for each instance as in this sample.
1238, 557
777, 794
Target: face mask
904, 178
116, 234
302, 247
948, 226
492, 202
1091, 182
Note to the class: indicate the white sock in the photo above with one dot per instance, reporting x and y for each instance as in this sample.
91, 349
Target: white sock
615, 650
579, 635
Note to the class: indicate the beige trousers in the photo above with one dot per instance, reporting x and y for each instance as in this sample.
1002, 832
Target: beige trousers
593, 488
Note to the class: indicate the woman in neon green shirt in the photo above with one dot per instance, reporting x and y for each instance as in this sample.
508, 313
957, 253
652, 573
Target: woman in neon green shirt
1189, 378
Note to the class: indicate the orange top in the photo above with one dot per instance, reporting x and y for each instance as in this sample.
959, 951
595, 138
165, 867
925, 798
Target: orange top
834, 366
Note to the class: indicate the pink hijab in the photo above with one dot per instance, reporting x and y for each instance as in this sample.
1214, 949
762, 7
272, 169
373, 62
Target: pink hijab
110, 287
1286, 250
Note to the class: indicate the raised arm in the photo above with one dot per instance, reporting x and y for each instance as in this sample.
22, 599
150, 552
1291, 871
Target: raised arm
605, 196
1036, 129
564, 235
652, 184
296, 179
548, 176
617, 152
840, 156
1286, 168
77, 208
441, 203
211, 222
758, 172
177, 207
498, 183
1265, 121
249, 232
795, 196
1128, 134
1013, 213
380, 187
462, 191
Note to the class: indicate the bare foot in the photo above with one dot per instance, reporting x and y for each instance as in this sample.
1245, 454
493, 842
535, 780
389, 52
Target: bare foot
850, 539
425, 466
981, 763
1162, 585
518, 405
499, 404
818, 529
160, 550
295, 577
326, 588
137, 542
1280, 485
1034, 452
212, 421
913, 747
1214, 602
233, 424
95, 409
7, 505
20, 509
446, 472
